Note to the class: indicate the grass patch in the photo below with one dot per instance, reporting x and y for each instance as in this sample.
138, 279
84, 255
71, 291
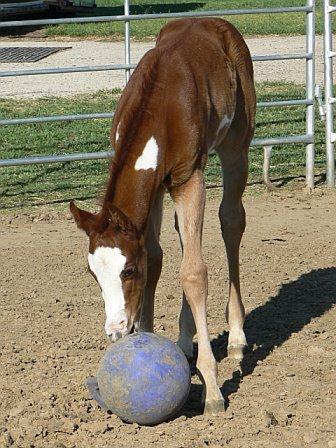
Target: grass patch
60, 182
261, 24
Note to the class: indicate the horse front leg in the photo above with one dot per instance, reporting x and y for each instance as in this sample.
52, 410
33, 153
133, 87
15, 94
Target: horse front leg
189, 202
145, 321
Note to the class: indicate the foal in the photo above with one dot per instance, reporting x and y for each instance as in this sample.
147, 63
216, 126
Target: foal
191, 94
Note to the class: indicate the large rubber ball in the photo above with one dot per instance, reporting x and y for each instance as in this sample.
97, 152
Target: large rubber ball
144, 378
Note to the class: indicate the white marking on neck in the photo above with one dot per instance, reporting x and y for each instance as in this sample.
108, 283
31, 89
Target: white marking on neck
107, 263
149, 156
117, 132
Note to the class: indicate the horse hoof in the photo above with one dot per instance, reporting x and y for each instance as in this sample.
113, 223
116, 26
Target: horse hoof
214, 407
236, 352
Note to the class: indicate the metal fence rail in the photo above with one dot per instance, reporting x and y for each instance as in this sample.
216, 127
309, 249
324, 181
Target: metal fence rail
127, 66
37, 160
78, 117
127, 18
329, 54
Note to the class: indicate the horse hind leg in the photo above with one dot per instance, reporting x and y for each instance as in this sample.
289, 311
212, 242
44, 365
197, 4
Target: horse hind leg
234, 164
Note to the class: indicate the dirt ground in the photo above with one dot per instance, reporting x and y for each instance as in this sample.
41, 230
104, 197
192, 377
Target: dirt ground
52, 336
89, 52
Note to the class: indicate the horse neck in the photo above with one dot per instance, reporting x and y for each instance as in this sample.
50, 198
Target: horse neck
133, 191
136, 172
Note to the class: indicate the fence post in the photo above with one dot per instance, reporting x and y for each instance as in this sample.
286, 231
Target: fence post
310, 89
127, 40
328, 93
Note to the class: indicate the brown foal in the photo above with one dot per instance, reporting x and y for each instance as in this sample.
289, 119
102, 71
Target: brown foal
192, 93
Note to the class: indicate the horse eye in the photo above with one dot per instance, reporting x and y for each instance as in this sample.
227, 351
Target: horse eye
128, 272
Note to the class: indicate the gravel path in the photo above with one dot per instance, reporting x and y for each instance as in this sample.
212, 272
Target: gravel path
97, 53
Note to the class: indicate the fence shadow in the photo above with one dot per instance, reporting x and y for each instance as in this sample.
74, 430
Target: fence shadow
23, 30
272, 324
98, 11
157, 8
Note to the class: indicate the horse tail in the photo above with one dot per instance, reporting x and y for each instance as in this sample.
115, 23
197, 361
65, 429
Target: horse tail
237, 51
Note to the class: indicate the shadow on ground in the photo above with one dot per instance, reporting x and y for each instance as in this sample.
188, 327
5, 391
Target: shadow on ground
157, 8
73, 192
270, 325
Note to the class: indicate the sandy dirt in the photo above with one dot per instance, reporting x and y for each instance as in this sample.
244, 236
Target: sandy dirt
52, 336
101, 53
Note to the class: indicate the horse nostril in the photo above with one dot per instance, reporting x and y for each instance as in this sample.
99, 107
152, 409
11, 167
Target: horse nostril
116, 331
118, 335
114, 337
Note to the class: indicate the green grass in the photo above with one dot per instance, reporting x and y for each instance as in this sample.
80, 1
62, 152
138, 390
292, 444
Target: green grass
261, 24
60, 182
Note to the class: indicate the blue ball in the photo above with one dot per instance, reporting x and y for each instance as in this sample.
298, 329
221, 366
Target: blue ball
144, 378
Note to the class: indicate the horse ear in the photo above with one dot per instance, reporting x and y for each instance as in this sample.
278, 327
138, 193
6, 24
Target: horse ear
122, 223
85, 220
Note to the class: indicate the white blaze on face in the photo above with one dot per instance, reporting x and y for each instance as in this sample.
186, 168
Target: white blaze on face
107, 264
149, 156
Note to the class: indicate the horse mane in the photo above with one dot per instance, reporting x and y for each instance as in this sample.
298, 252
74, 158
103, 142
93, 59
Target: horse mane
131, 111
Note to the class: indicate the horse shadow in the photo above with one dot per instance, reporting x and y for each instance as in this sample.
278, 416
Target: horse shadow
269, 326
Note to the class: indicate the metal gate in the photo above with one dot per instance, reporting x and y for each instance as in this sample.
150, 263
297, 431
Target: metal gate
308, 56
329, 98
